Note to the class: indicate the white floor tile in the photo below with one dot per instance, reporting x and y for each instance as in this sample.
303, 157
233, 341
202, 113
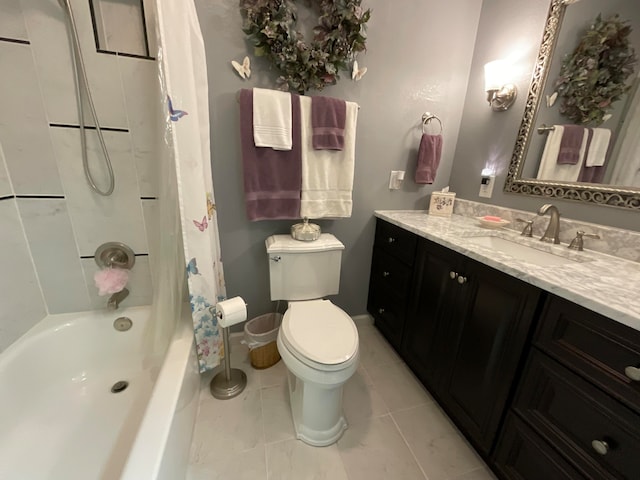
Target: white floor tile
397, 386
374, 449
295, 460
276, 414
274, 375
360, 399
441, 451
374, 349
480, 474
248, 465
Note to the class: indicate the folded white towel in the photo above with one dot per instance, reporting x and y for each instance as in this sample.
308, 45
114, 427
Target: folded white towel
598, 149
272, 119
327, 175
549, 168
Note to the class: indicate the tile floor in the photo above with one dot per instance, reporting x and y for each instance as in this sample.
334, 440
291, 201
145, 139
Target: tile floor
396, 430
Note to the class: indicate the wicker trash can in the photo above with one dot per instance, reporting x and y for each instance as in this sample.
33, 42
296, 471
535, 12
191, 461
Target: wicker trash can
260, 335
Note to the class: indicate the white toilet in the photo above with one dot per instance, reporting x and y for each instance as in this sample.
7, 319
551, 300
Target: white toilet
317, 341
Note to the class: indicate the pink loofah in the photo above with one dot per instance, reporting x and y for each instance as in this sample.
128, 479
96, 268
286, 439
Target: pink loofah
111, 280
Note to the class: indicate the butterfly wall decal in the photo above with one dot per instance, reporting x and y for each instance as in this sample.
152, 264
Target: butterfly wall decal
174, 113
244, 69
202, 226
357, 73
551, 99
192, 267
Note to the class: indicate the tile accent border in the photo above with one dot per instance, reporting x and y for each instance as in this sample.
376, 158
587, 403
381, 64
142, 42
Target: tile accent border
15, 40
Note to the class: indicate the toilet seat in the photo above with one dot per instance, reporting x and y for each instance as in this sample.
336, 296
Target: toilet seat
320, 334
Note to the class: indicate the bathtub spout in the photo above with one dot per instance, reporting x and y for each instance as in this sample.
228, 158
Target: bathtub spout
116, 298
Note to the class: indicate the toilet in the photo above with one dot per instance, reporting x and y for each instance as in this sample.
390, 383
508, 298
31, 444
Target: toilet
317, 341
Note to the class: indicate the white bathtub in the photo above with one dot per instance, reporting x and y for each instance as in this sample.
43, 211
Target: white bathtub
60, 420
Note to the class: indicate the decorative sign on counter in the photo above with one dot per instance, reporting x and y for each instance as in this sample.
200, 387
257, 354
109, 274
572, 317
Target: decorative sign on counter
441, 204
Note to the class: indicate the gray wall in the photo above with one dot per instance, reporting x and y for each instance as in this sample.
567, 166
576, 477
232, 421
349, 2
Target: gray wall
486, 137
418, 58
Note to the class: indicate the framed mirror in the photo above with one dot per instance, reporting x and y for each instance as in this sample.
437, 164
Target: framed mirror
611, 178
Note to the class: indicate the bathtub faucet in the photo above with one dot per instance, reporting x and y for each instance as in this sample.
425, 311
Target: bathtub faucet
116, 298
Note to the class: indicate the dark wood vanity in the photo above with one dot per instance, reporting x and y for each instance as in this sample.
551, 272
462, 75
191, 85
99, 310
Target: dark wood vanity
536, 383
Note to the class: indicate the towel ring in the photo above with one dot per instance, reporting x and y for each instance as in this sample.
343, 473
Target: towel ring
426, 119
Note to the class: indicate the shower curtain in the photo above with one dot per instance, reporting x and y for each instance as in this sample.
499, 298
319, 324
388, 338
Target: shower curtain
183, 80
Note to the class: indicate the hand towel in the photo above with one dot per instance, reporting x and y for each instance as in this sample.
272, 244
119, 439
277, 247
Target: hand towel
570, 145
597, 152
429, 154
549, 168
328, 116
272, 119
271, 177
596, 173
327, 175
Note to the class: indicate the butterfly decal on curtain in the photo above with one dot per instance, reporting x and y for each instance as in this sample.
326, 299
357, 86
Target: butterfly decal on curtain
202, 226
174, 113
192, 267
243, 69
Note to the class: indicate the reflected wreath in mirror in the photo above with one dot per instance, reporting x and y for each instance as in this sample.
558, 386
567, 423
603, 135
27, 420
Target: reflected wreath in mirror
337, 38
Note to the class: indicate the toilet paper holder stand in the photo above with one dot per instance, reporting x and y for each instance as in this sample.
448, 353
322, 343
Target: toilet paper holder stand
231, 381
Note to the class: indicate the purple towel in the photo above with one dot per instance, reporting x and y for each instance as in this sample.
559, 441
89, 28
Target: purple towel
570, 145
428, 158
328, 116
272, 178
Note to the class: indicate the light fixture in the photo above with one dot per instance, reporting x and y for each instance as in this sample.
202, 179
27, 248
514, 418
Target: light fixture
500, 94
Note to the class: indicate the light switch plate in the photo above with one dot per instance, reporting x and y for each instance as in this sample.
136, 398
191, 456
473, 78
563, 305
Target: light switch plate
486, 185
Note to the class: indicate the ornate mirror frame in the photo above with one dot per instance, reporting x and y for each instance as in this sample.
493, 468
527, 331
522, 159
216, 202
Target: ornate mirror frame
581, 192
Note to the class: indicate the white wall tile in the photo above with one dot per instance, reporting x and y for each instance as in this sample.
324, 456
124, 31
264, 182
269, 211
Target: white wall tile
97, 219
46, 24
144, 106
24, 132
140, 291
21, 302
11, 20
5, 183
53, 247
121, 27
150, 211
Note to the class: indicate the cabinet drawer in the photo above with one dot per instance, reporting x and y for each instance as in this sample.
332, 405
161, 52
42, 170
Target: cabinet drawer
388, 311
397, 241
595, 432
389, 274
594, 346
523, 455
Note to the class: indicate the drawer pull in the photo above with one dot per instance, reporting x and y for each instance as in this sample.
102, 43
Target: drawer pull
453, 275
391, 240
462, 279
633, 373
600, 446
385, 274
381, 311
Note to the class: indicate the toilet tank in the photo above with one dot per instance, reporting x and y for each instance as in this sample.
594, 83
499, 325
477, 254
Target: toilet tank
303, 270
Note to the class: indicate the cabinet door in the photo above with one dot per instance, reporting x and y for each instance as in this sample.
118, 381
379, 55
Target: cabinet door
423, 344
487, 336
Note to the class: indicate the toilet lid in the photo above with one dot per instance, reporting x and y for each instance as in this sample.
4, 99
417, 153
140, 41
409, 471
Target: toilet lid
320, 331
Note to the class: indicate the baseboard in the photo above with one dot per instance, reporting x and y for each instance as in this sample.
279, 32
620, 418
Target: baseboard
364, 319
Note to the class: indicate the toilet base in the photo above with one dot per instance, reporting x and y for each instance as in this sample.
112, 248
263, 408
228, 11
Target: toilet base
316, 411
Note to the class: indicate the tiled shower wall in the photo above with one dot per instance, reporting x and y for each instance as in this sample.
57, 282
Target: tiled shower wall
50, 221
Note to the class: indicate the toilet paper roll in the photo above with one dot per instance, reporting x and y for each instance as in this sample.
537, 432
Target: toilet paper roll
231, 311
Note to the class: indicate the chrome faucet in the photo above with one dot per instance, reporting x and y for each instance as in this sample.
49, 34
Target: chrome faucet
552, 235
116, 298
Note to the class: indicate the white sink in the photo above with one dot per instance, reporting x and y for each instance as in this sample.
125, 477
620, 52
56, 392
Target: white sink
523, 252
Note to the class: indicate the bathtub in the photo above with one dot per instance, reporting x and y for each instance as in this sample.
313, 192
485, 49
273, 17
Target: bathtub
59, 418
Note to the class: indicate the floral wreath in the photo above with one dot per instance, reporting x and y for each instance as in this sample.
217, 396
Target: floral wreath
338, 37
594, 76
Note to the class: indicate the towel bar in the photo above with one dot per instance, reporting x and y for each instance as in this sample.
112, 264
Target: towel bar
238, 98
545, 128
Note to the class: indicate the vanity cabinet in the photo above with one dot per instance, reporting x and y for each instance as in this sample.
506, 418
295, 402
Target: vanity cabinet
578, 396
464, 336
391, 279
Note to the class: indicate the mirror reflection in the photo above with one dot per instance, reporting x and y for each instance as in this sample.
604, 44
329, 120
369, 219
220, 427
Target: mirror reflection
586, 127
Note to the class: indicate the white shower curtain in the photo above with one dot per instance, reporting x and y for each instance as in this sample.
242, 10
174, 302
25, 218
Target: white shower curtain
183, 78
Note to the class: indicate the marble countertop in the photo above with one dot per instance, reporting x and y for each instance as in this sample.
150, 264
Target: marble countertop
602, 283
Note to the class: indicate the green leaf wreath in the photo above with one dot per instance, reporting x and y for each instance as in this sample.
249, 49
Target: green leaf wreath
338, 37
595, 75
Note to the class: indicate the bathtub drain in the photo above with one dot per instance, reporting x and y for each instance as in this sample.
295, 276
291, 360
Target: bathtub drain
119, 386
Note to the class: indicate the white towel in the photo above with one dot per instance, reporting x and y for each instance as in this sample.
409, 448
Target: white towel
327, 175
598, 149
549, 168
272, 119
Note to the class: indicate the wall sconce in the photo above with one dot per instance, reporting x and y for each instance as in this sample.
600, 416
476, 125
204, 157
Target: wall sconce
500, 94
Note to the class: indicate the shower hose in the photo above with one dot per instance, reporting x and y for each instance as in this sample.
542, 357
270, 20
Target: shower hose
80, 73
